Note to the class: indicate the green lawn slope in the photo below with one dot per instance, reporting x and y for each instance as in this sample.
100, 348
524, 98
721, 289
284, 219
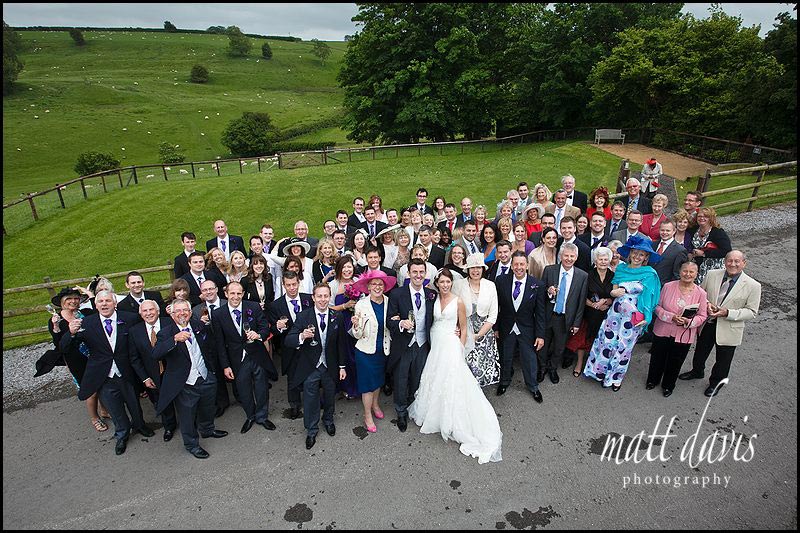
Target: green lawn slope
125, 92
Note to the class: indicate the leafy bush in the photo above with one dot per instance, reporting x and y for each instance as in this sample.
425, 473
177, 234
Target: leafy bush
299, 146
168, 153
239, 45
91, 162
266, 51
12, 66
77, 36
250, 135
170, 27
199, 74
301, 129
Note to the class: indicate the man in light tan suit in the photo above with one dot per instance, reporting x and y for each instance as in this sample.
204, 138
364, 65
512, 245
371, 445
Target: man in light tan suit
560, 208
733, 297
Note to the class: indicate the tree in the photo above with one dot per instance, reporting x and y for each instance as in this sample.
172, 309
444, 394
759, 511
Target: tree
168, 153
77, 36
781, 107
219, 30
266, 51
199, 74
12, 66
250, 135
170, 27
91, 162
321, 50
239, 45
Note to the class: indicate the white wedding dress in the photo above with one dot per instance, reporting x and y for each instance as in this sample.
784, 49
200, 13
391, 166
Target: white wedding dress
449, 400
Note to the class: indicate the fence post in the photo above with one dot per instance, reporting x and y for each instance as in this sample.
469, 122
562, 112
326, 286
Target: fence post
217, 165
373, 152
727, 150
280, 161
755, 190
164, 169
33, 208
259, 164
83, 188
135, 177
350, 154
51, 290
119, 175
60, 196
193, 174
241, 168
103, 180
702, 183
624, 173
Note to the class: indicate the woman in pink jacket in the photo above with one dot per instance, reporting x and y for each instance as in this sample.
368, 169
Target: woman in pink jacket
680, 312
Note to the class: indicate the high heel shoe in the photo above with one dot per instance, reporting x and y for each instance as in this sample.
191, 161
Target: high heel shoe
378, 414
371, 429
576, 374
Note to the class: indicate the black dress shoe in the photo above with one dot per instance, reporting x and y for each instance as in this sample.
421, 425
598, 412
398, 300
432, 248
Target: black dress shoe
690, 375
310, 442
402, 423
387, 389
712, 391
667, 393
145, 431
219, 412
247, 425
199, 452
168, 434
268, 425
217, 434
539, 376
122, 444
537, 396
554, 376
331, 430
566, 363
650, 386
294, 413
501, 389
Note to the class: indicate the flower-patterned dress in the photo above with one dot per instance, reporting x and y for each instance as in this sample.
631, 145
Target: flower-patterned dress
483, 359
612, 348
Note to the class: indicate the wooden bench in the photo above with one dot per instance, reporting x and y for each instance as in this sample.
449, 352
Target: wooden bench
612, 135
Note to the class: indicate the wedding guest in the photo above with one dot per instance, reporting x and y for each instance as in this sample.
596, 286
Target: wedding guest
456, 261
217, 267
616, 258
543, 255
674, 329
682, 234
257, 285
445, 239
438, 210
532, 218
417, 252
403, 251
651, 222
179, 290
574, 198
358, 247
377, 204
480, 218
488, 243
542, 195
505, 229
373, 341
581, 223
344, 301
599, 201
710, 243
521, 242
322, 267
237, 268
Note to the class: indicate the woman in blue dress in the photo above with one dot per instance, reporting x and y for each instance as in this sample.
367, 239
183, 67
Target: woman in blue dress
373, 341
341, 292
636, 292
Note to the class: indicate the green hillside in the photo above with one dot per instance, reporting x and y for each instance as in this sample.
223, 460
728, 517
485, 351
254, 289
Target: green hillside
132, 91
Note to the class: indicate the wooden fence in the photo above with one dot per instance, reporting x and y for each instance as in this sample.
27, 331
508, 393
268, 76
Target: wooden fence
52, 288
713, 149
704, 182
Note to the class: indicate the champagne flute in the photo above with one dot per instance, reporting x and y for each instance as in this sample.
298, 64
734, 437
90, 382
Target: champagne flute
79, 316
246, 328
411, 319
52, 310
313, 340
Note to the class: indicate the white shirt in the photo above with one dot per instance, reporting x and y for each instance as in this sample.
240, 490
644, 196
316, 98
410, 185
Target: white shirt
215, 303
153, 329
500, 268
197, 278
137, 299
570, 273
227, 249
112, 340
198, 368
570, 197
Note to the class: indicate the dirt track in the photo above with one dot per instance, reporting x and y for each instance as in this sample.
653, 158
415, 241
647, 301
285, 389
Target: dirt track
673, 164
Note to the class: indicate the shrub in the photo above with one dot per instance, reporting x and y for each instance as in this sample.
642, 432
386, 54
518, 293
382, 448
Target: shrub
168, 153
77, 36
170, 27
91, 162
250, 135
12, 66
199, 74
239, 45
299, 146
266, 51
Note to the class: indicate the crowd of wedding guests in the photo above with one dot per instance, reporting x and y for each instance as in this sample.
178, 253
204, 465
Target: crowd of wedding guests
559, 278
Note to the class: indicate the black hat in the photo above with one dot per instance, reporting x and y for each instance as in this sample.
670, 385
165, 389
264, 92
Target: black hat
66, 291
49, 360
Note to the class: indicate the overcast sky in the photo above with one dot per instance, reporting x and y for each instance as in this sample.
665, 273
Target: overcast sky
322, 21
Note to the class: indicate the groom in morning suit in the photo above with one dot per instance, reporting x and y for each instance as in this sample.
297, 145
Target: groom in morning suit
190, 376
564, 315
240, 329
410, 341
520, 321
314, 345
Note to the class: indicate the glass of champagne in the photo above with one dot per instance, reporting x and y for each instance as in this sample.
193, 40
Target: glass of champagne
411, 319
52, 310
313, 340
79, 316
246, 328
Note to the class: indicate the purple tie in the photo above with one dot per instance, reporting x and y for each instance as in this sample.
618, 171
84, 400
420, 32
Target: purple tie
505, 271
296, 307
188, 331
109, 328
419, 300
238, 314
222, 245
516, 289
321, 322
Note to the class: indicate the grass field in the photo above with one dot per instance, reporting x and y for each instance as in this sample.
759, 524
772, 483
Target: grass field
141, 225
132, 91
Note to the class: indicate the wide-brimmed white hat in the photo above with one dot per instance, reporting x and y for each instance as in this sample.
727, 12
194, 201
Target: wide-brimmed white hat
538, 208
474, 261
387, 229
294, 241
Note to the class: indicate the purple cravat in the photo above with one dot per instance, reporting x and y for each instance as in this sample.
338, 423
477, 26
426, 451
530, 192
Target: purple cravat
516, 289
238, 314
109, 328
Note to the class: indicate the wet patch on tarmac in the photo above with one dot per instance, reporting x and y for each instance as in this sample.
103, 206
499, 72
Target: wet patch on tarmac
299, 513
360, 432
528, 519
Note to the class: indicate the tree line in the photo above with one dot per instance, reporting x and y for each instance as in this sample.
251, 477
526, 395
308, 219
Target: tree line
439, 71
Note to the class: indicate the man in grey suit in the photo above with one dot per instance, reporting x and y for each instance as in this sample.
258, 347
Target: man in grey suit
673, 255
616, 223
634, 220
566, 287
469, 239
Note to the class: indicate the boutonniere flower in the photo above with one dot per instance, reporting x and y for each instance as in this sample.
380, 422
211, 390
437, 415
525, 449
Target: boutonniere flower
430, 296
305, 303
120, 322
249, 312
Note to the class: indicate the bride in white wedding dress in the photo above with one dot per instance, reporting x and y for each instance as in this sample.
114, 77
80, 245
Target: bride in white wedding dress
449, 400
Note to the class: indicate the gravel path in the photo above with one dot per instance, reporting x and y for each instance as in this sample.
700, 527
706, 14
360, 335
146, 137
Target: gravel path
673, 164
